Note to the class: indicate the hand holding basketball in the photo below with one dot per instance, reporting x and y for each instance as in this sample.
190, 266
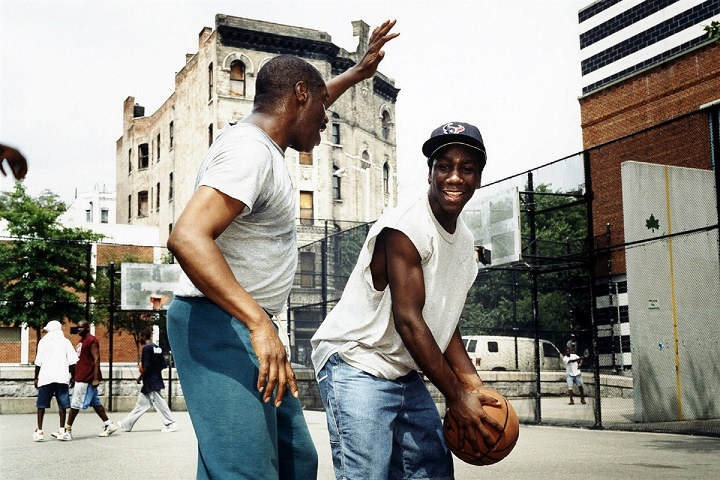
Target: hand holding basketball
500, 445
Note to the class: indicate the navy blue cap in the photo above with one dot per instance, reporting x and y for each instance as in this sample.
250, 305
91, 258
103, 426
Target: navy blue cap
454, 133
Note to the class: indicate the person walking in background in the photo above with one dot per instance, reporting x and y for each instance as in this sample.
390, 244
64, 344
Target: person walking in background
87, 379
572, 374
54, 368
236, 243
151, 365
398, 314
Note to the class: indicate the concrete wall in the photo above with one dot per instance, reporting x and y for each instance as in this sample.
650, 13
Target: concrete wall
18, 395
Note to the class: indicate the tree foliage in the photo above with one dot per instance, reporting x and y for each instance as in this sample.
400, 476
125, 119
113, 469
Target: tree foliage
43, 265
500, 301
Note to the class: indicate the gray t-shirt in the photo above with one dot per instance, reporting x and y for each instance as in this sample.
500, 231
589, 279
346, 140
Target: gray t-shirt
260, 244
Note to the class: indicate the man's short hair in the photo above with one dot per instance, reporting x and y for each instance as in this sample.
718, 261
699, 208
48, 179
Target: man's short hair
146, 333
278, 77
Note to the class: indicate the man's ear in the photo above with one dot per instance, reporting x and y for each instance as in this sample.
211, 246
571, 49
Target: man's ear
479, 181
301, 92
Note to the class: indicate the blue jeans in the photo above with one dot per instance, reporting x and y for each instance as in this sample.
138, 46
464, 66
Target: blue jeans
239, 436
382, 429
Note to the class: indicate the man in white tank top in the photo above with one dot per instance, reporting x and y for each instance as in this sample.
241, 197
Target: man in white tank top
399, 314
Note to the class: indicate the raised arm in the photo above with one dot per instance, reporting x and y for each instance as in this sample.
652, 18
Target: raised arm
192, 241
407, 286
367, 66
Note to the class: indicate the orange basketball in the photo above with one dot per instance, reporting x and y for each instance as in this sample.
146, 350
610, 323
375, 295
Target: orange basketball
505, 414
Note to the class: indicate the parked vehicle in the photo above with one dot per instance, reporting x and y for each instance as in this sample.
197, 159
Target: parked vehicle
495, 352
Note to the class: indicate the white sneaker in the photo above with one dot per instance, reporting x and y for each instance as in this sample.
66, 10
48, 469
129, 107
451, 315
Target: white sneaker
173, 427
121, 426
59, 432
38, 436
108, 430
65, 436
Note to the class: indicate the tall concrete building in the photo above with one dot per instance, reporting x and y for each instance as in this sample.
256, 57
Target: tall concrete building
650, 93
350, 176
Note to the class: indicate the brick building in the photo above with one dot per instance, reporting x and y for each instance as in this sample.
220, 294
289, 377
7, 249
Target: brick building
350, 176
651, 85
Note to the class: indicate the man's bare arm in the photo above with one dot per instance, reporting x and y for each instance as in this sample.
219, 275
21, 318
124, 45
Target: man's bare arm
367, 66
192, 241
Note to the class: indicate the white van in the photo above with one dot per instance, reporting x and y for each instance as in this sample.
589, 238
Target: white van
494, 352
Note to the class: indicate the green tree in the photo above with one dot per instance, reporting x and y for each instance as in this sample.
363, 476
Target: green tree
132, 322
500, 301
43, 265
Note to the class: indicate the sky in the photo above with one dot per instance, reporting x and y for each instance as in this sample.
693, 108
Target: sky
511, 67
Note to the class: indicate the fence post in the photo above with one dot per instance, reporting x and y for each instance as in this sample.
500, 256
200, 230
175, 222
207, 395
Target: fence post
111, 328
591, 271
535, 307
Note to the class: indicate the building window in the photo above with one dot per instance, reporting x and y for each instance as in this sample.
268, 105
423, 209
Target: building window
142, 210
129, 208
157, 197
143, 152
385, 119
210, 81
89, 214
336, 183
104, 215
129, 161
336, 129
306, 208
386, 178
210, 134
237, 78
10, 334
306, 158
157, 145
307, 269
172, 134
171, 187
170, 225
365, 159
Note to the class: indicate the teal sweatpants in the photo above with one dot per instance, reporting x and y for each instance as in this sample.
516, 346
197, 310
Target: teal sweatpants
239, 436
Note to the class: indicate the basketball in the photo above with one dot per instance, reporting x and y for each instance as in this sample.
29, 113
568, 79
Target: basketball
505, 414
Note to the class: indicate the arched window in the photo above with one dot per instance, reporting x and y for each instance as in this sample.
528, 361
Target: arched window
385, 119
237, 78
386, 178
365, 159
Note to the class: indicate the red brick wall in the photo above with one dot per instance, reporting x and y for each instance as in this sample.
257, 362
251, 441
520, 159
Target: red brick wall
684, 143
657, 95
124, 349
661, 94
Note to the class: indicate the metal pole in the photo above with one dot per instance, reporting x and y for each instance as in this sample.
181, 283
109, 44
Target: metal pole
591, 270
324, 271
88, 281
111, 327
535, 307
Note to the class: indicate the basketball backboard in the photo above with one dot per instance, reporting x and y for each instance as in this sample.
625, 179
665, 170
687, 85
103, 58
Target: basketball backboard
148, 284
494, 218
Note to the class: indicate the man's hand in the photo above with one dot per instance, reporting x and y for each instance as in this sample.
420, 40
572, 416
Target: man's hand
368, 65
15, 160
35, 382
95, 382
470, 417
275, 369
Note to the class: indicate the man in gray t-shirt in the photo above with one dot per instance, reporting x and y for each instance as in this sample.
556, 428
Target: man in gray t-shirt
235, 242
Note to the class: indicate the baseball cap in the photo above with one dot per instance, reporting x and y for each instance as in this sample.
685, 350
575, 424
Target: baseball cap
52, 326
454, 132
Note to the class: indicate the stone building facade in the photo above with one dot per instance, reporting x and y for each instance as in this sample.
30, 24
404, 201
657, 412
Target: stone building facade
650, 89
350, 176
